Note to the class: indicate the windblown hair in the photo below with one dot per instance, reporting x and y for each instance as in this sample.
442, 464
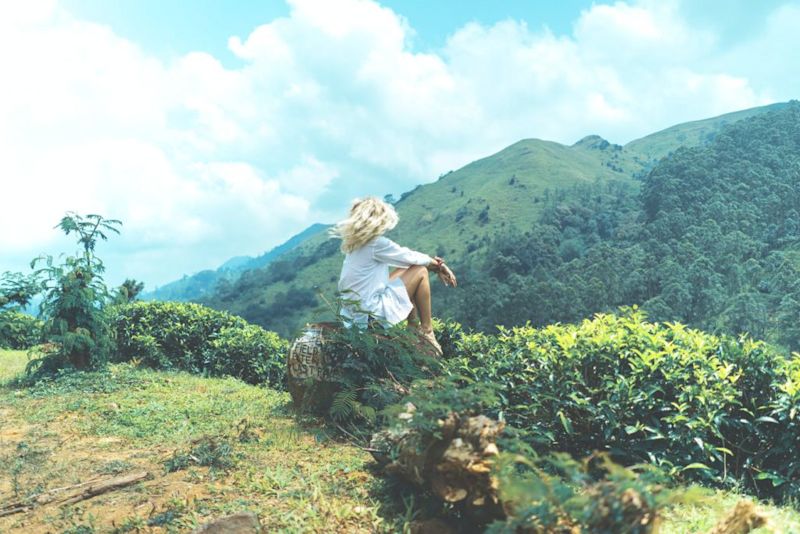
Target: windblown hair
369, 218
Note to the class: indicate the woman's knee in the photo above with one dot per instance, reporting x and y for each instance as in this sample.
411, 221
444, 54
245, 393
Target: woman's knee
419, 271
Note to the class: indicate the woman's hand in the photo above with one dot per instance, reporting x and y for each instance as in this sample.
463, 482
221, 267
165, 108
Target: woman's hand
443, 272
436, 264
446, 276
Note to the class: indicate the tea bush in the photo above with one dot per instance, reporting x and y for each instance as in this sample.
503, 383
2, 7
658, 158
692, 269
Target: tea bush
546, 493
714, 409
19, 330
191, 337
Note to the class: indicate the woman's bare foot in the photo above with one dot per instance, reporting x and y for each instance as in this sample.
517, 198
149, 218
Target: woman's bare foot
431, 339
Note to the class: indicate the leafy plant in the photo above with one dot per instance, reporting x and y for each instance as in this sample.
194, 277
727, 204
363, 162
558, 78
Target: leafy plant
556, 493
16, 289
74, 297
715, 409
19, 330
192, 337
216, 453
373, 369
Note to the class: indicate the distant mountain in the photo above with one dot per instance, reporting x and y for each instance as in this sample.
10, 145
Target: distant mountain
201, 284
462, 215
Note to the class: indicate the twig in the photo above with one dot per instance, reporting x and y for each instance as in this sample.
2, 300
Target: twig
348, 433
75, 493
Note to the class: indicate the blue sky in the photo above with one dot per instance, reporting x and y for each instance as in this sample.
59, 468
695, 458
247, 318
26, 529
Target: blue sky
215, 129
174, 27
169, 28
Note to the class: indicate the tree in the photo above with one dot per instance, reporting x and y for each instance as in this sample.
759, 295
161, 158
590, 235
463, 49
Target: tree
128, 291
17, 330
16, 289
74, 297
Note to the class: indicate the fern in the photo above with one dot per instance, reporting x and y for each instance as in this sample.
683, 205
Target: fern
344, 405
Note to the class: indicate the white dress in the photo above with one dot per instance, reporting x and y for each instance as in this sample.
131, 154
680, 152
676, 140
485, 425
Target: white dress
364, 284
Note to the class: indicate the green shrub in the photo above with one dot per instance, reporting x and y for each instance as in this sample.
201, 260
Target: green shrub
374, 369
560, 494
191, 337
19, 330
714, 409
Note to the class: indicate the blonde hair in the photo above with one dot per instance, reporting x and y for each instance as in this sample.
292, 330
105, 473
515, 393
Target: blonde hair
369, 218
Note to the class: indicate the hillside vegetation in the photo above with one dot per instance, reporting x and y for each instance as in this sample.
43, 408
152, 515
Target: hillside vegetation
202, 283
711, 239
214, 446
551, 203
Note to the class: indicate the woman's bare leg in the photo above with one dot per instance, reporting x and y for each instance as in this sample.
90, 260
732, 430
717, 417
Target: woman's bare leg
413, 322
418, 287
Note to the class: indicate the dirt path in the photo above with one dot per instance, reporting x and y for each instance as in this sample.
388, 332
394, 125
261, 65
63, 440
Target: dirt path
35, 459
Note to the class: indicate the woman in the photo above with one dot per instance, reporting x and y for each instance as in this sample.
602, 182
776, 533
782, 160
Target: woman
367, 288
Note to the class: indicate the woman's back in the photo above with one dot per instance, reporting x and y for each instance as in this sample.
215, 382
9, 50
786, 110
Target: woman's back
364, 281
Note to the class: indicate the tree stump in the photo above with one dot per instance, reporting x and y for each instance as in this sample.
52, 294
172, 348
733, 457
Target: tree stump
455, 467
310, 372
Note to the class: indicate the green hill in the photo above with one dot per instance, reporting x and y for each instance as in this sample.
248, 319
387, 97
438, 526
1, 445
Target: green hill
712, 239
200, 284
653, 147
454, 217
462, 215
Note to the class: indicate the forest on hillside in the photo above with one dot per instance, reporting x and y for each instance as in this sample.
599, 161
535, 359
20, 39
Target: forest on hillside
709, 237
711, 240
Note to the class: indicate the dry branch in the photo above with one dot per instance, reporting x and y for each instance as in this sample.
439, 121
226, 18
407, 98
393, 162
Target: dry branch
74, 493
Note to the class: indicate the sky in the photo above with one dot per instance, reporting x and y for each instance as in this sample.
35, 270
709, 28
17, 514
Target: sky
215, 129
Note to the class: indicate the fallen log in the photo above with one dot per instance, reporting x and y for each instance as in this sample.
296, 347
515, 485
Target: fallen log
75, 493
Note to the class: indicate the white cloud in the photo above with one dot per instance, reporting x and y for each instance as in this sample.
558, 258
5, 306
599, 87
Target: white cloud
203, 161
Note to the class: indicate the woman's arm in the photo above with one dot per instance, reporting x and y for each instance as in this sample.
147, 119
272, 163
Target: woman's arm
387, 251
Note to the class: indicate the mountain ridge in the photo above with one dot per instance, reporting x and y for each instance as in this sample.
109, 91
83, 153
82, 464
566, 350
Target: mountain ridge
199, 284
460, 214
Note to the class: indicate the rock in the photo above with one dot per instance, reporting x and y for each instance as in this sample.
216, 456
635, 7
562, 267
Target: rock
310, 370
240, 523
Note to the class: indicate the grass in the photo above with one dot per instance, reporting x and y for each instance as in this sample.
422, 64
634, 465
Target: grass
692, 519
79, 426
12, 363
212, 447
